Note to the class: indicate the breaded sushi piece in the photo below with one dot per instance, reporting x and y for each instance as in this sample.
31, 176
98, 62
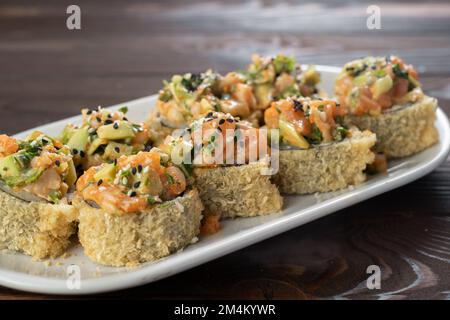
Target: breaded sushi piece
384, 95
229, 186
238, 191
317, 153
35, 175
326, 167
136, 210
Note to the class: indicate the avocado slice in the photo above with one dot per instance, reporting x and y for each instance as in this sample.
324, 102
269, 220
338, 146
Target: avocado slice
107, 173
116, 131
79, 139
95, 144
263, 93
382, 85
13, 175
9, 168
114, 150
67, 133
71, 174
288, 132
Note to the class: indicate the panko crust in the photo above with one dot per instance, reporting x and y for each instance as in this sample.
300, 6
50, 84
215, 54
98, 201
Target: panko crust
402, 131
41, 230
132, 239
238, 191
327, 167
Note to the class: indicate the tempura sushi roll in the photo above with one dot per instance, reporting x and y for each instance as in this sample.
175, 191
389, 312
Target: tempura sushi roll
229, 187
104, 136
137, 209
384, 95
35, 176
317, 153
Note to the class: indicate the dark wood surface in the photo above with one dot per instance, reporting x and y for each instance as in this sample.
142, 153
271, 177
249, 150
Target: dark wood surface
125, 50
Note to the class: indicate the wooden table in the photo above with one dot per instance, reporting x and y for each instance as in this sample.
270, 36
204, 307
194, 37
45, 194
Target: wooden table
124, 51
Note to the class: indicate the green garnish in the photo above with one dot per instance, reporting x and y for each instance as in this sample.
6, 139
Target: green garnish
123, 109
399, 72
170, 179
283, 63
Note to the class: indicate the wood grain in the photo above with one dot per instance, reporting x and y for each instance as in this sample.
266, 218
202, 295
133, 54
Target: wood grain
124, 51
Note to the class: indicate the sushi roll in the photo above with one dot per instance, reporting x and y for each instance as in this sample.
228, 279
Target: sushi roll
384, 95
139, 208
317, 153
231, 183
244, 94
104, 136
36, 174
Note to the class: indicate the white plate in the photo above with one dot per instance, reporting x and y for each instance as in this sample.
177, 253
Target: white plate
20, 272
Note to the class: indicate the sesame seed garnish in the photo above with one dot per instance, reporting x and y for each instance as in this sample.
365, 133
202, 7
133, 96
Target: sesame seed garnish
117, 149
230, 120
209, 114
109, 115
221, 121
133, 170
115, 162
89, 112
133, 193
125, 118
116, 125
108, 121
99, 119
137, 184
100, 182
58, 163
75, 151
82, 154
139, 168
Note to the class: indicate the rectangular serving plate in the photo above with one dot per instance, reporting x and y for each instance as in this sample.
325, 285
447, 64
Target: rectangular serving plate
53, 277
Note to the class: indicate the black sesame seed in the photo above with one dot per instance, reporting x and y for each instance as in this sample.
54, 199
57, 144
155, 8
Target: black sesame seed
117, 149
108, 121
58, 163
82, 154
221, 121
210, 114
133, 170
298, 106
116, 125
99, 182
115, 162
89, 112
125, 118
133, 194
137, 184
139, 168
230, 120
219, 129
109, 115
99, 119
75, 151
